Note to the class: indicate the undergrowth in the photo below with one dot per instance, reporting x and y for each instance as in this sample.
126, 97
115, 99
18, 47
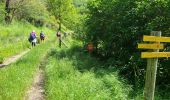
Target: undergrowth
72, 74
14, 38
17, 77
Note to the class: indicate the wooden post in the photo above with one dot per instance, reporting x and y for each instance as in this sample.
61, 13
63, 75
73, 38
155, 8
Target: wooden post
151, 73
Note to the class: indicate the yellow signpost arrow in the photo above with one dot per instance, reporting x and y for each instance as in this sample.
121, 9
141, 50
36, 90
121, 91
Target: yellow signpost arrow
151, 46
155, 54
156, 39
152, 61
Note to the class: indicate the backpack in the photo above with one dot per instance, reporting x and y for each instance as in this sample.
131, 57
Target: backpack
58, 34
29, 39
42, 34
32, 37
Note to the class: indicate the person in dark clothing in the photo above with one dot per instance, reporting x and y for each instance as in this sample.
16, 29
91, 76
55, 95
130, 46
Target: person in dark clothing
59, 38
42, 36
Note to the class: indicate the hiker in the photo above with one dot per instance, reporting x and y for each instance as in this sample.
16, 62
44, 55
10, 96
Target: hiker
32, 38
90, 47
42, 36
59, 38
65, 34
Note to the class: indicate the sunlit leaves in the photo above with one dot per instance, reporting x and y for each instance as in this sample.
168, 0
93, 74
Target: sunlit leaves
115, 27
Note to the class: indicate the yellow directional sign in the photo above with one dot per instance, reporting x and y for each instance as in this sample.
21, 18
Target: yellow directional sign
156, 39
151, 46
155, 54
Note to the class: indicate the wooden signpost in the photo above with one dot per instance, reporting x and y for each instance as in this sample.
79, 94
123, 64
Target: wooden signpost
152, 60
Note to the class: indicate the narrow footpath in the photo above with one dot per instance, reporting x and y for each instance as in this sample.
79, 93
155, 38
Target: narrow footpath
36, 91
13, 59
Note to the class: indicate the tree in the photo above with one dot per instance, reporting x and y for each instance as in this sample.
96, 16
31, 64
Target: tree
7, 9
32, 10
116, 26
62, 9
2, 10
25, 9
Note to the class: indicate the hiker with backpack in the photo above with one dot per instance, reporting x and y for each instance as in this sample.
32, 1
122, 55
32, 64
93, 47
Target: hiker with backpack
65, 34
32, 38
42, 36
58, 34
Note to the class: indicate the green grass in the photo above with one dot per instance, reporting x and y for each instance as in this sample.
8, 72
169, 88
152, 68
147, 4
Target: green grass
16, 78
159, 95
73, 75
14, 38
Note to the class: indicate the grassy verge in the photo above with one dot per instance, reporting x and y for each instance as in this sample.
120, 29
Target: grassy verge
159, 95
14, 79
14, 38
73, 75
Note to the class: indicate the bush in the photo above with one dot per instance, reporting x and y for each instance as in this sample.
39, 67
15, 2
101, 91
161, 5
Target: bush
116, 26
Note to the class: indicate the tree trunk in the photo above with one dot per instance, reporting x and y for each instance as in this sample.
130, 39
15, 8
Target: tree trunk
59, 21
59, 16
7, 9
13, 14
60, 25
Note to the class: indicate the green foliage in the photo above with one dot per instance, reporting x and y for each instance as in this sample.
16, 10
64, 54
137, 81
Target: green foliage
81, 5
32, 10
79, 26
116, 26
72, 74
60, 7
1, 59
14, 38
2, 11
16, 78
65, 12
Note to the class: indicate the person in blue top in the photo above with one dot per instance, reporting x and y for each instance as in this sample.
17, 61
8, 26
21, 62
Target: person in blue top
32, 38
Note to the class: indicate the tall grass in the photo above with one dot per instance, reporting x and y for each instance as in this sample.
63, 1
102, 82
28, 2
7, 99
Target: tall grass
158, 95
15, 79
73, 75
14, 38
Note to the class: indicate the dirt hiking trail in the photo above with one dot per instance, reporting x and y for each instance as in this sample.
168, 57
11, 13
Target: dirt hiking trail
36, 92
13, 59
